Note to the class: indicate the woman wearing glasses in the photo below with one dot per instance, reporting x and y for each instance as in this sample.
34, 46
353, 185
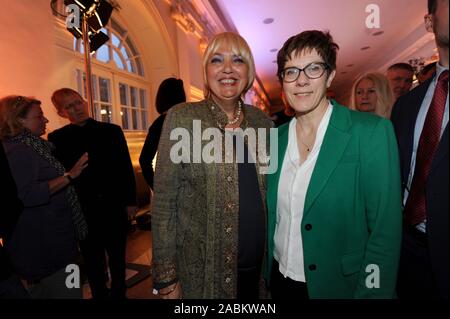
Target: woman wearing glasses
334, 204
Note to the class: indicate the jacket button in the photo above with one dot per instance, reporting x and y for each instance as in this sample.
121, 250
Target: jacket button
230, 179
308, 227
312, 267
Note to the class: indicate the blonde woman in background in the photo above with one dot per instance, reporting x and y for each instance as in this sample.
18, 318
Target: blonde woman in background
43, 243
371, 93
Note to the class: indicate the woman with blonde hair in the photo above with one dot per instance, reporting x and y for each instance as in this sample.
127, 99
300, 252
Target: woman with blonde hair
43, 243
372, 93
208, 218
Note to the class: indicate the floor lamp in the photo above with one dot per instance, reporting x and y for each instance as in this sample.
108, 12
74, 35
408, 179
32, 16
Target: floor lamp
93, 15
87, 66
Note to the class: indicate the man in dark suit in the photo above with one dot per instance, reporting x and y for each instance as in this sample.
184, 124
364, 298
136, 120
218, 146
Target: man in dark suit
106, 188
421, 124
11, 207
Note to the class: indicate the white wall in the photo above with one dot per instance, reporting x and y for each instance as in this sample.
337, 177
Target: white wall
27, 51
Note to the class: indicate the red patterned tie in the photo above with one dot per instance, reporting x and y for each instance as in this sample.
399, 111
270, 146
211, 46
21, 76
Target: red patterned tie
415, 210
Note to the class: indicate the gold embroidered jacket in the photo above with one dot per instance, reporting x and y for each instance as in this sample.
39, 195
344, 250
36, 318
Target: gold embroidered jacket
195, 205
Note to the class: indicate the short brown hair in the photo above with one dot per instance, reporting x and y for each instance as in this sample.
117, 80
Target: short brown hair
58, 94
239, 46
401, 66
310, 40
13, 108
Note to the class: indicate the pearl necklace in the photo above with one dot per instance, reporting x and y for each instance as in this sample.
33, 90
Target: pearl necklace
238, 114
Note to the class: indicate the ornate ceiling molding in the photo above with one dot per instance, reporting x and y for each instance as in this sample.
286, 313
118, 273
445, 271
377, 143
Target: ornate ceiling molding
193, 17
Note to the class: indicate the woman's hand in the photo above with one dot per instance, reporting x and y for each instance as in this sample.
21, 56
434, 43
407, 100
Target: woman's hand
79, 166
60, 182
173, 291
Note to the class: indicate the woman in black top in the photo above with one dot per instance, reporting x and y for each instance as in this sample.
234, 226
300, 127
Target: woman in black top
170, 93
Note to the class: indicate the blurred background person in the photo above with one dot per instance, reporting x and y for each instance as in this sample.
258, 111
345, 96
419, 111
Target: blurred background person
170, 93
371, 93
44, 240
107, 189
400, 76
208, 219
421, 123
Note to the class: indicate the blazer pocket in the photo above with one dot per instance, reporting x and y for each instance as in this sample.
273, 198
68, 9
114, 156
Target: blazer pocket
351, 263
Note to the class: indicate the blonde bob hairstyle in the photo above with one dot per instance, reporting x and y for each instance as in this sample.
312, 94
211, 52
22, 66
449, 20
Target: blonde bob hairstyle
238, 46
385, 96
12, 109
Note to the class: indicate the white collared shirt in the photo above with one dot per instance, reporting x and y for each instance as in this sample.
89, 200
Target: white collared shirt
292, 188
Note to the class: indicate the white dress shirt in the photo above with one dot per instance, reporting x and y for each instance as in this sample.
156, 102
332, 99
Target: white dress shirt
292, 188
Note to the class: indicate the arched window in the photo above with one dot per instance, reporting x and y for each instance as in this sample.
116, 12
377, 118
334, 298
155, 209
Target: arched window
119, 86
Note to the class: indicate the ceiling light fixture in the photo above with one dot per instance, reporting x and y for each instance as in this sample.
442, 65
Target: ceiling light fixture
268, 21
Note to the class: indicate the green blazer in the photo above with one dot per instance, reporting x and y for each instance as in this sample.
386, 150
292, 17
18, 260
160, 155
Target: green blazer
352, 214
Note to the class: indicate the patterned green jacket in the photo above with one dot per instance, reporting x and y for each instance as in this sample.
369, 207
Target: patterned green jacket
196, 204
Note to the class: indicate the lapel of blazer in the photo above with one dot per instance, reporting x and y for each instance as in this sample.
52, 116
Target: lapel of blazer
273, 179
333, 146
410, 112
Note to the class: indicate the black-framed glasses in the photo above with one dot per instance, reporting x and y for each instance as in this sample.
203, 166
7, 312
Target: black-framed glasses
312, 71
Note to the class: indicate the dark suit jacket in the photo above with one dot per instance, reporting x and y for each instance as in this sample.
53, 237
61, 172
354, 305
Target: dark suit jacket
9, 212
150, 148
404, 116
109, 178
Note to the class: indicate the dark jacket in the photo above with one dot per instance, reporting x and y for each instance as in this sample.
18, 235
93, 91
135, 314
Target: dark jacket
150, 148
43, 240
404, 116
109, 177
10, 210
